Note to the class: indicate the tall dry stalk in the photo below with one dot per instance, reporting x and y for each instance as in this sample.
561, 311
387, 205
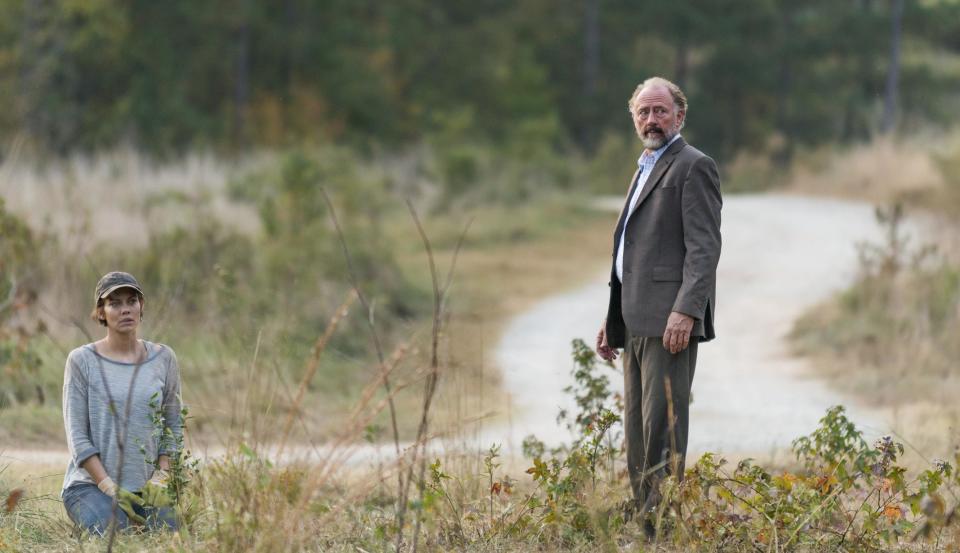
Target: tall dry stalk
430, 385
671, 423
355, 282
340, 449
318, 347
248, 389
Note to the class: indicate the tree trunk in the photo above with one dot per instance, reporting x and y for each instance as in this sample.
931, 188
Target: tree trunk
241, 89
591, 70
890, 97
681, 63
785, 87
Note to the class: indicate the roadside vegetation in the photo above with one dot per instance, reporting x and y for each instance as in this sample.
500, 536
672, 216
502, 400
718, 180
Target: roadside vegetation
244, 269
841, 493
890, 339
250, 275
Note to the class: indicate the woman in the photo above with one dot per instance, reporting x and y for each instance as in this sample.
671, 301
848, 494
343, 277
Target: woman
99, 379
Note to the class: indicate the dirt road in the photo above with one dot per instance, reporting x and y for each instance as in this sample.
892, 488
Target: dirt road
781, 254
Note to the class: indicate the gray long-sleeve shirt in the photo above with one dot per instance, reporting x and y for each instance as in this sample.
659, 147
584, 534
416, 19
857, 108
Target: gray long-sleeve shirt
93, 427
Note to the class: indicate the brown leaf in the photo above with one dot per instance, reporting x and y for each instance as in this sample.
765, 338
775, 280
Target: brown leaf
892, 513
14, 498
886, 485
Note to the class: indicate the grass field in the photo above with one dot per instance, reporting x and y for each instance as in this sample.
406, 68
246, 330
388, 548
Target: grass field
189, 234
841, 494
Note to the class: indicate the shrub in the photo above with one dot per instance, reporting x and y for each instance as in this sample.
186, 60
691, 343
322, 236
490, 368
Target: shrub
21, 279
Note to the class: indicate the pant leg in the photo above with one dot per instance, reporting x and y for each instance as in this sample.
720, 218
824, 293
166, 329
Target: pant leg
633, 417
89, 508
656, 442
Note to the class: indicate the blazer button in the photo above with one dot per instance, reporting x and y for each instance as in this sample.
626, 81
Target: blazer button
629, 242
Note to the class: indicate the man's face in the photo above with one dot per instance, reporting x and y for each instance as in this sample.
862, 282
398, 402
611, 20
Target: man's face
656, 117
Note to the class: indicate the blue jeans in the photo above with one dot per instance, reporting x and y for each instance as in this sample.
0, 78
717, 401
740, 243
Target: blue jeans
89, 508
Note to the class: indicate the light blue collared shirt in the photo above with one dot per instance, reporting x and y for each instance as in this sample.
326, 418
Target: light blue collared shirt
646, 163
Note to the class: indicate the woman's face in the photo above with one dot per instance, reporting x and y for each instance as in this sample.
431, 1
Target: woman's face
122, 309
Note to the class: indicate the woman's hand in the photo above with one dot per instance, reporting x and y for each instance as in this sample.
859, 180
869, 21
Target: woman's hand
125, 499
155, 490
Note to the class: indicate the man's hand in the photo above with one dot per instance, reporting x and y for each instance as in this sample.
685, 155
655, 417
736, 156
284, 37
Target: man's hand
605, 352
676, 337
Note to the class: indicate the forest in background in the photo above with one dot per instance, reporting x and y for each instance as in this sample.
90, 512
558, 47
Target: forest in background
228, 76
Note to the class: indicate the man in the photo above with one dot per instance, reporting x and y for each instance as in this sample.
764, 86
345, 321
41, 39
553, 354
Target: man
662, 287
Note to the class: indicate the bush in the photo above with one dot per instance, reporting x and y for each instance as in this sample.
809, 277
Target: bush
21, 279
900, 319
302, 261
849, 495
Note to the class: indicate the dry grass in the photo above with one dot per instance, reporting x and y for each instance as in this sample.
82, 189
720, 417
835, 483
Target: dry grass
247, 504
84, 202
241, 502
121, 191
490, 286
884, 171
890, 339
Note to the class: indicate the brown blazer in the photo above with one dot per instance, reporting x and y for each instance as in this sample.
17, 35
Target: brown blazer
672, 249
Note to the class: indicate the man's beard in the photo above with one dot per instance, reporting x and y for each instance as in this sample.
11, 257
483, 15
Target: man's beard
656, 141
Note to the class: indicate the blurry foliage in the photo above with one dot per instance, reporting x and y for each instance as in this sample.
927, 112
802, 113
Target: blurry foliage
900, 320
287, 281
197, 274
517, 169
21, 278
612, 165
175, 76
211, 289
949, 165
253, 502
303, 259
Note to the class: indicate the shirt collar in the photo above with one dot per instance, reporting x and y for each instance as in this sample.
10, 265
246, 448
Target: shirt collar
656, 154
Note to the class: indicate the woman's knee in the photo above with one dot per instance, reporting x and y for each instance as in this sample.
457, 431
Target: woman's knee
163, 518
90, 509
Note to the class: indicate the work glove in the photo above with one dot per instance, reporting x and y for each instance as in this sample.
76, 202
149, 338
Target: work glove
154, 492
125, 499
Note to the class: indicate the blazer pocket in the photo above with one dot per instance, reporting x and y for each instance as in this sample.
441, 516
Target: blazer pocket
667, 274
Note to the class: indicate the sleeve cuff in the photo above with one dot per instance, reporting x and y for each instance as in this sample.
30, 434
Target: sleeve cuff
85, 454
691, 310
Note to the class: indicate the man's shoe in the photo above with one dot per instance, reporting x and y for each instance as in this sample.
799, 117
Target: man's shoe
629, 508
649, 528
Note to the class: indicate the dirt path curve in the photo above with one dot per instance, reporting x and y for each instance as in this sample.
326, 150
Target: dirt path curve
781, 254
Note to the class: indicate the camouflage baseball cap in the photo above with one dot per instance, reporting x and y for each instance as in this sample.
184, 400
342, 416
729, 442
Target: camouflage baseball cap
115, 280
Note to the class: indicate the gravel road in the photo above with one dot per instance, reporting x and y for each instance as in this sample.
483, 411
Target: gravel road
781, 254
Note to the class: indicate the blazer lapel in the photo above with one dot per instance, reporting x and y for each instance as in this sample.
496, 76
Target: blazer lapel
658, 171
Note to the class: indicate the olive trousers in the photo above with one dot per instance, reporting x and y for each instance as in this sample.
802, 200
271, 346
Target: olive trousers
656, 413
